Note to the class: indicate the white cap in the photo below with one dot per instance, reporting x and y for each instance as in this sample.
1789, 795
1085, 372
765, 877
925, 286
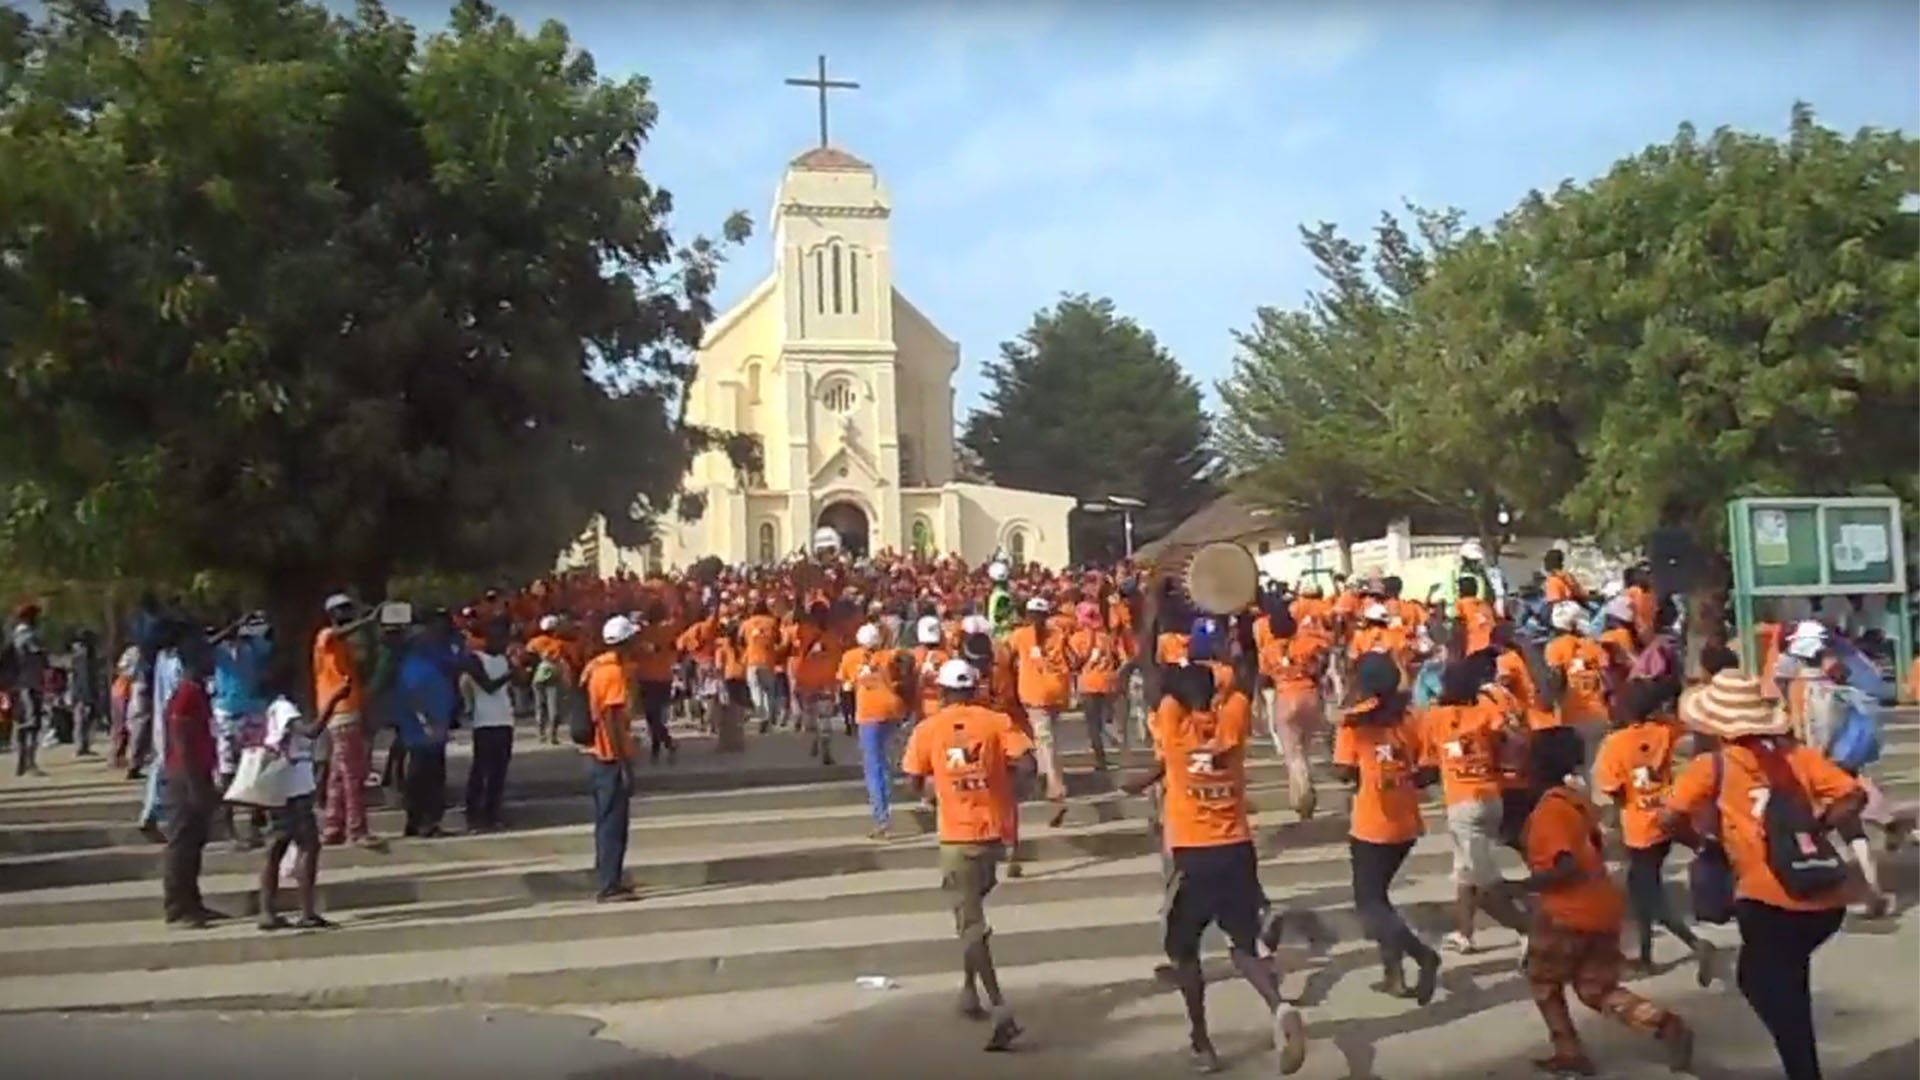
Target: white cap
1038, 606
336, 601
1618, 608
957, 675
1473, 552
997, 571
549, 622
976, 624
1566, 615
1808, 628
927, 630
1311, 588
1376, 613
868, 636
618, 629
1805, 648
826, 539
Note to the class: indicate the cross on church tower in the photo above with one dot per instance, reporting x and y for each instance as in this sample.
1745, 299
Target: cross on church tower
821, 83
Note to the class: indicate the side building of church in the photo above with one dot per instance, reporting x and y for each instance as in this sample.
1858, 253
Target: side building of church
849, 388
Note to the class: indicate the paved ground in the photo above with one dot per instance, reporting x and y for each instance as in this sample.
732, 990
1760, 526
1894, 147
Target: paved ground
1104, 1018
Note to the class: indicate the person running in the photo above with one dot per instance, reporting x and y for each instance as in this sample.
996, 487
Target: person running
970, 755
760, 648
1461, 737
813, 660
1043, 677
1295, 661
1378, 752
1756, 782
653, 663
1096, 658
1575, 939
1576, 665
1635, 770
1201, 732
882, 683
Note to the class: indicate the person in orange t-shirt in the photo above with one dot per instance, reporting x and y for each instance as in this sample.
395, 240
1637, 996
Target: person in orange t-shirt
1560, 585
735, 699
760, 649
1576, 675
655, 654
1201, 732
1044, 678
1634, 768
1294, 661
813, 660
1462, 735
929, 654
604, 679
1473, 618
972, 756
1779, 931
1575, 938
881, 679
550, 676
1097, 659
1378, 751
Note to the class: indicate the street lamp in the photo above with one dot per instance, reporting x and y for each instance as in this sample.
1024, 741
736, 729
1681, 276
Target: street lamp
1124, 506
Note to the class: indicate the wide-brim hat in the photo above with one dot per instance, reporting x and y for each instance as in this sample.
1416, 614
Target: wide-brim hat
1732, 707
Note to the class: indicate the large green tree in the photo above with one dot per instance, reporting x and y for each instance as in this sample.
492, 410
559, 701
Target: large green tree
314, 300
1712, 317
1088, 403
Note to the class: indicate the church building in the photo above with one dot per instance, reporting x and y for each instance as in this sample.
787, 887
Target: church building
849, 388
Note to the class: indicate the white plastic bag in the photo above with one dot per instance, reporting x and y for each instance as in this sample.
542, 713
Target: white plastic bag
263, 779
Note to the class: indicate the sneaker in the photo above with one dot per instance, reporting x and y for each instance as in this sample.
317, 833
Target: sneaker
1290, 1038
1202, 1059
1428, 978
315, 922
620, 895
1005, 1031
271, 923
1706, 961
371, 843
1457, 942
969, 1006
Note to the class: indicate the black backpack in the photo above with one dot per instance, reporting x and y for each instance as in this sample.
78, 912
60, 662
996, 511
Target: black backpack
1798, 848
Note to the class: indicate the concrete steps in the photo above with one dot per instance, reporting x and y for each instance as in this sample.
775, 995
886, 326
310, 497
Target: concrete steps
750, 878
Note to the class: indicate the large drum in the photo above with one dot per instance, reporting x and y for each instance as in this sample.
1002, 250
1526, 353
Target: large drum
1221, 578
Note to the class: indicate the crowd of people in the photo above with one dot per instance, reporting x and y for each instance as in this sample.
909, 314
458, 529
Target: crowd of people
1544, 718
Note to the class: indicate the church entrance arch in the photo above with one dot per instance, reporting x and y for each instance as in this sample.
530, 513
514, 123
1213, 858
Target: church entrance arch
850, 521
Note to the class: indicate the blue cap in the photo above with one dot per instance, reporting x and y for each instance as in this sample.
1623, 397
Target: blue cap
1204, 639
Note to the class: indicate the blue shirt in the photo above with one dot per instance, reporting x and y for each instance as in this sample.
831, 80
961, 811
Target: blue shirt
427, 681
237, 665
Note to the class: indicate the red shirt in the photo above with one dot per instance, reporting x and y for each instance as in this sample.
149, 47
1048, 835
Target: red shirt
190, 750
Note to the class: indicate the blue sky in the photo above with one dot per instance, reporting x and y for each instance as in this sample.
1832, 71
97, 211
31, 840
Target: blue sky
1164, 154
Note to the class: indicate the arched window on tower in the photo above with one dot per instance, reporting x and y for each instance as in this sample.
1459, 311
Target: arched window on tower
853, 280
1017, 547
820, 281
836, 259
753, 384
922, 537
769, 543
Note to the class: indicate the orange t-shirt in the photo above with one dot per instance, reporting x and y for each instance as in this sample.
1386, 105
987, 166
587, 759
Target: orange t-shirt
333, 667
926, 661
760, 640
1582, 661
1563, 823
966, 750
1477, 616
870, 673
1297, 665
1644, 611
1170, 648
701, 640
605, 680
733, 666
1205, 754
1099, 660
813, 659
655, 652
1386, 802
1045, 673
1744, 789
1512, 675
1634, 767
1510, 763
1312, 615
1463, 742
1564, 586
548, 648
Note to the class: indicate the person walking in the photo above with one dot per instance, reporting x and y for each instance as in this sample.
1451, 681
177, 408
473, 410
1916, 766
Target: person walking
84, 688
190, 765
428, 684
1790, 891
968, 755
882, 680
1462, 737
609, 747
292, 824
337, 679
29, 669
1043, 680
492, 714
239, 713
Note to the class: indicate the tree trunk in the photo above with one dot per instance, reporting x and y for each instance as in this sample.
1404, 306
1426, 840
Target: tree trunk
1707, 615
293, 605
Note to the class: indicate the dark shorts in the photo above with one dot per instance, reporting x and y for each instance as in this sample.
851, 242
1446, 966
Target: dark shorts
737, 693
968, 872
294, 823
1213, 886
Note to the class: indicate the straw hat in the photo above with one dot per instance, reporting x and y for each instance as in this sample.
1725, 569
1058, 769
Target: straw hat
1732, 707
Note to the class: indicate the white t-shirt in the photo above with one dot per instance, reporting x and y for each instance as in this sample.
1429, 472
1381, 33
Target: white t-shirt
288, 740
495, 709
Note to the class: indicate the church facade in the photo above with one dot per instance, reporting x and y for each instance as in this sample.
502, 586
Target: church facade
849, 388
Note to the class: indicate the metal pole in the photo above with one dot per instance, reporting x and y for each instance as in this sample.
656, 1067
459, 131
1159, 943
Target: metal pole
1126, 526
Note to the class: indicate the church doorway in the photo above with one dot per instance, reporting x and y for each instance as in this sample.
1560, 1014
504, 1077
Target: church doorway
850, 522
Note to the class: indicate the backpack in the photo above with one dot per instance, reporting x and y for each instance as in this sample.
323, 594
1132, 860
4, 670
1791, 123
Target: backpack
9, 665
1710, 874
579, 717
1855, 743
1798, 849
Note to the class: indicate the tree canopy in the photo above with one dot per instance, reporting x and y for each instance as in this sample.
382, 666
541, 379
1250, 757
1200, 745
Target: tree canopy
1088, 403
315, 299
1713, 317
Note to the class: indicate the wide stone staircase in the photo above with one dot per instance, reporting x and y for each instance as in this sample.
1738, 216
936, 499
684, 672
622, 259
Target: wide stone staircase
754, 868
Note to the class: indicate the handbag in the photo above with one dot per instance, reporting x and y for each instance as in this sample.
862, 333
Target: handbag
262, 779
1710, 874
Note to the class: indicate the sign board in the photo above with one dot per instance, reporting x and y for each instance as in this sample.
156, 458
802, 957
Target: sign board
1817, 547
